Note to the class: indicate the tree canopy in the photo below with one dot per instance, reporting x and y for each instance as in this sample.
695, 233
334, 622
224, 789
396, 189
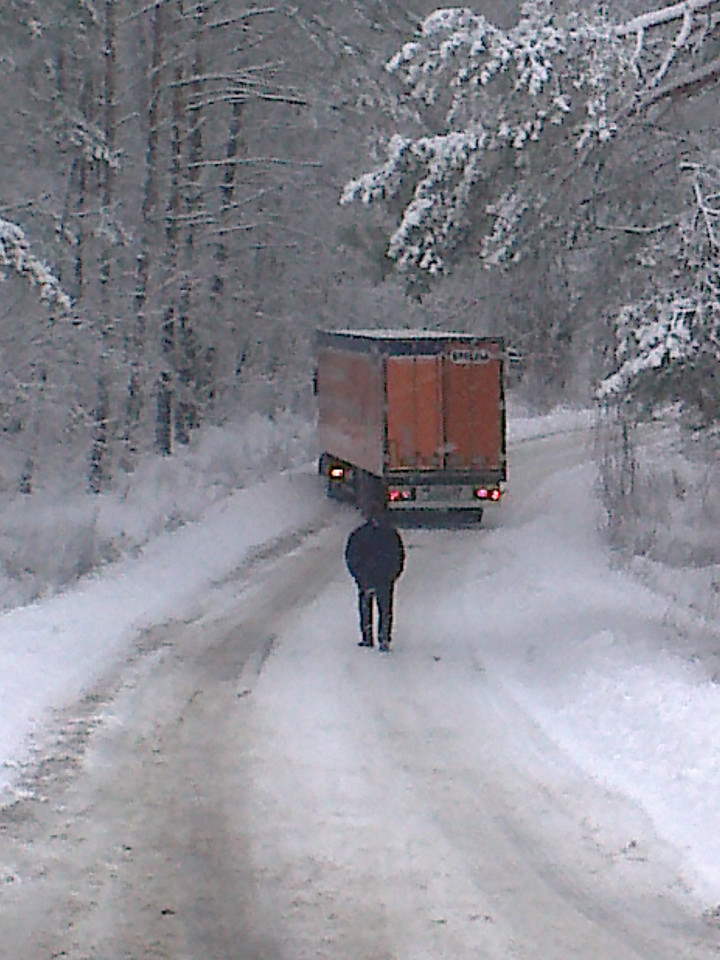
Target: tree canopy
507, 138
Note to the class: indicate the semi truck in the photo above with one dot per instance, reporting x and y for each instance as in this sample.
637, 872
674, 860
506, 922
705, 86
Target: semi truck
416, 418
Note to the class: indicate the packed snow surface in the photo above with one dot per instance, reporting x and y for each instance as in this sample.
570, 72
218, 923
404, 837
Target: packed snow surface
615, 675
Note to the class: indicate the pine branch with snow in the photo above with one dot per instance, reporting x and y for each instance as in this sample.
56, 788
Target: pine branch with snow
506, 110
16, 256
87, 138
668, 344
490, 91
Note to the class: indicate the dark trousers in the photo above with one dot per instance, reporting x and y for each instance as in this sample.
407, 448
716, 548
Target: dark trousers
384, 597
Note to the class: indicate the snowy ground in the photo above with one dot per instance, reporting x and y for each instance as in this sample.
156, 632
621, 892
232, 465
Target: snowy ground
632, 697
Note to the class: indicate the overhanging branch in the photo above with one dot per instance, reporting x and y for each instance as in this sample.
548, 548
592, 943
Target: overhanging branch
681, 87
656, 18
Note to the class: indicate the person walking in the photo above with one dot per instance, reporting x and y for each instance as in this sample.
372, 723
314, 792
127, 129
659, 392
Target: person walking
375, 557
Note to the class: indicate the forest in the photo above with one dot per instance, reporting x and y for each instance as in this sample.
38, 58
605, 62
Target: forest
189, 188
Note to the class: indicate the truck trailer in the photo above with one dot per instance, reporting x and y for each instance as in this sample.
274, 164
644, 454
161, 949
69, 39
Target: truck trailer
414, 417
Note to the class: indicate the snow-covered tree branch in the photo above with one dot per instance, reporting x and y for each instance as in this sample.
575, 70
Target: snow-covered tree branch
17, 257
505, 114
668, 345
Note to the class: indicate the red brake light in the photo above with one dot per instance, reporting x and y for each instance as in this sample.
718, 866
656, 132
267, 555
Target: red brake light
486, 493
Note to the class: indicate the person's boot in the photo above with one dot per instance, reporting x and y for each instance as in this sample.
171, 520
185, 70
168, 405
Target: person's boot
367, 641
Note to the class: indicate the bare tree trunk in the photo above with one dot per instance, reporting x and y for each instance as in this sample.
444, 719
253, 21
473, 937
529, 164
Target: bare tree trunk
187, 413
163, 422
218, 302
135, 348
166, 392
100, 470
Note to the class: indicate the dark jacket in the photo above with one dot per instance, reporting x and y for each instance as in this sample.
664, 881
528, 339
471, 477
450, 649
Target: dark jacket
374, 554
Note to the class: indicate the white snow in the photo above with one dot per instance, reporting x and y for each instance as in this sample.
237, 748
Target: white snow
15, 254
596, 658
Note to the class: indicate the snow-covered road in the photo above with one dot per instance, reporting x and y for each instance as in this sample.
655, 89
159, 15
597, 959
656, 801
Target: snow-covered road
249, 784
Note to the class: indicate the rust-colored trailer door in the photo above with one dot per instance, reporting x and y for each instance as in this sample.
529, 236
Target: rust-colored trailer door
473, 398
414, 412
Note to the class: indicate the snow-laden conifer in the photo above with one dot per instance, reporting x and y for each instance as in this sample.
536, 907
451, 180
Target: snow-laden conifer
488, 93
668, 343
505, 114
